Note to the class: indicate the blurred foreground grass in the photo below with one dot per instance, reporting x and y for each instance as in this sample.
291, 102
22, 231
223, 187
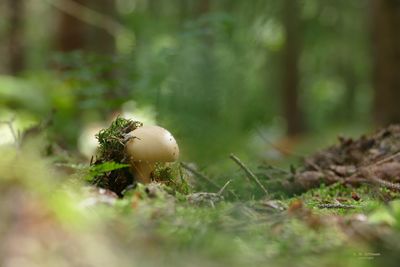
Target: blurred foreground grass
50, 218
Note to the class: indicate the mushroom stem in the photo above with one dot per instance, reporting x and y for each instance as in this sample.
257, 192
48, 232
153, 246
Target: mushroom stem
142, 171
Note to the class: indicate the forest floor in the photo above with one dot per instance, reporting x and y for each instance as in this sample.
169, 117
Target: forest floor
339, 207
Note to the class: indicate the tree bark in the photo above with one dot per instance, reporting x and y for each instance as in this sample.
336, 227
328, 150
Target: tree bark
100, 41
71, 31
15, 37
292, 112
386, 55
347, 110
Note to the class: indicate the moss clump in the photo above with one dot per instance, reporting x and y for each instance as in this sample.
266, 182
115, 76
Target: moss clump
173, 177
112, 142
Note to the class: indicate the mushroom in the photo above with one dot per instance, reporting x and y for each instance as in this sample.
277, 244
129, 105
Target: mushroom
147, 146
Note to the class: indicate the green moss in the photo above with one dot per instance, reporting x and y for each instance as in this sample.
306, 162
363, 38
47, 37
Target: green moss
111, 153
112, 140
173, 177
363, 199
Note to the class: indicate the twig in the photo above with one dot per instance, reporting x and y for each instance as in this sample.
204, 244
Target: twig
372, 181
312, 164
251, 175
386, 184
384, 160
336, 206
375, 180
200, 175
224, 187
267, 166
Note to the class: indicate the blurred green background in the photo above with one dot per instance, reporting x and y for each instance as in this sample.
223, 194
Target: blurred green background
223, 76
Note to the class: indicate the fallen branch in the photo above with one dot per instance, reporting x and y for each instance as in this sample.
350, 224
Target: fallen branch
249, 173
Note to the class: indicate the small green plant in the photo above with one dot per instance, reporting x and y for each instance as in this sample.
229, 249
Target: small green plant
95, 171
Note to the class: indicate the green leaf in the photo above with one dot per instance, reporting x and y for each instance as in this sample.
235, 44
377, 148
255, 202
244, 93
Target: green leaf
99, 169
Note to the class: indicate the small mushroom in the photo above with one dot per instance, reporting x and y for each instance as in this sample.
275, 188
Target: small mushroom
147, 146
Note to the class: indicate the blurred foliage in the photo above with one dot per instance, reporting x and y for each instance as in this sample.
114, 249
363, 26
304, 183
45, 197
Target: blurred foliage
211, 76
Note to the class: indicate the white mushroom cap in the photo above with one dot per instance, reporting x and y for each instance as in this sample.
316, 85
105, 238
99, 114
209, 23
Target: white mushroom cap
152, 144
148, 145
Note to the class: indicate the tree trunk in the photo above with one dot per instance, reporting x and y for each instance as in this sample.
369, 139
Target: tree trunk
71, 31
15, 37
347, 110
290, 75
100, 41
386, 54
